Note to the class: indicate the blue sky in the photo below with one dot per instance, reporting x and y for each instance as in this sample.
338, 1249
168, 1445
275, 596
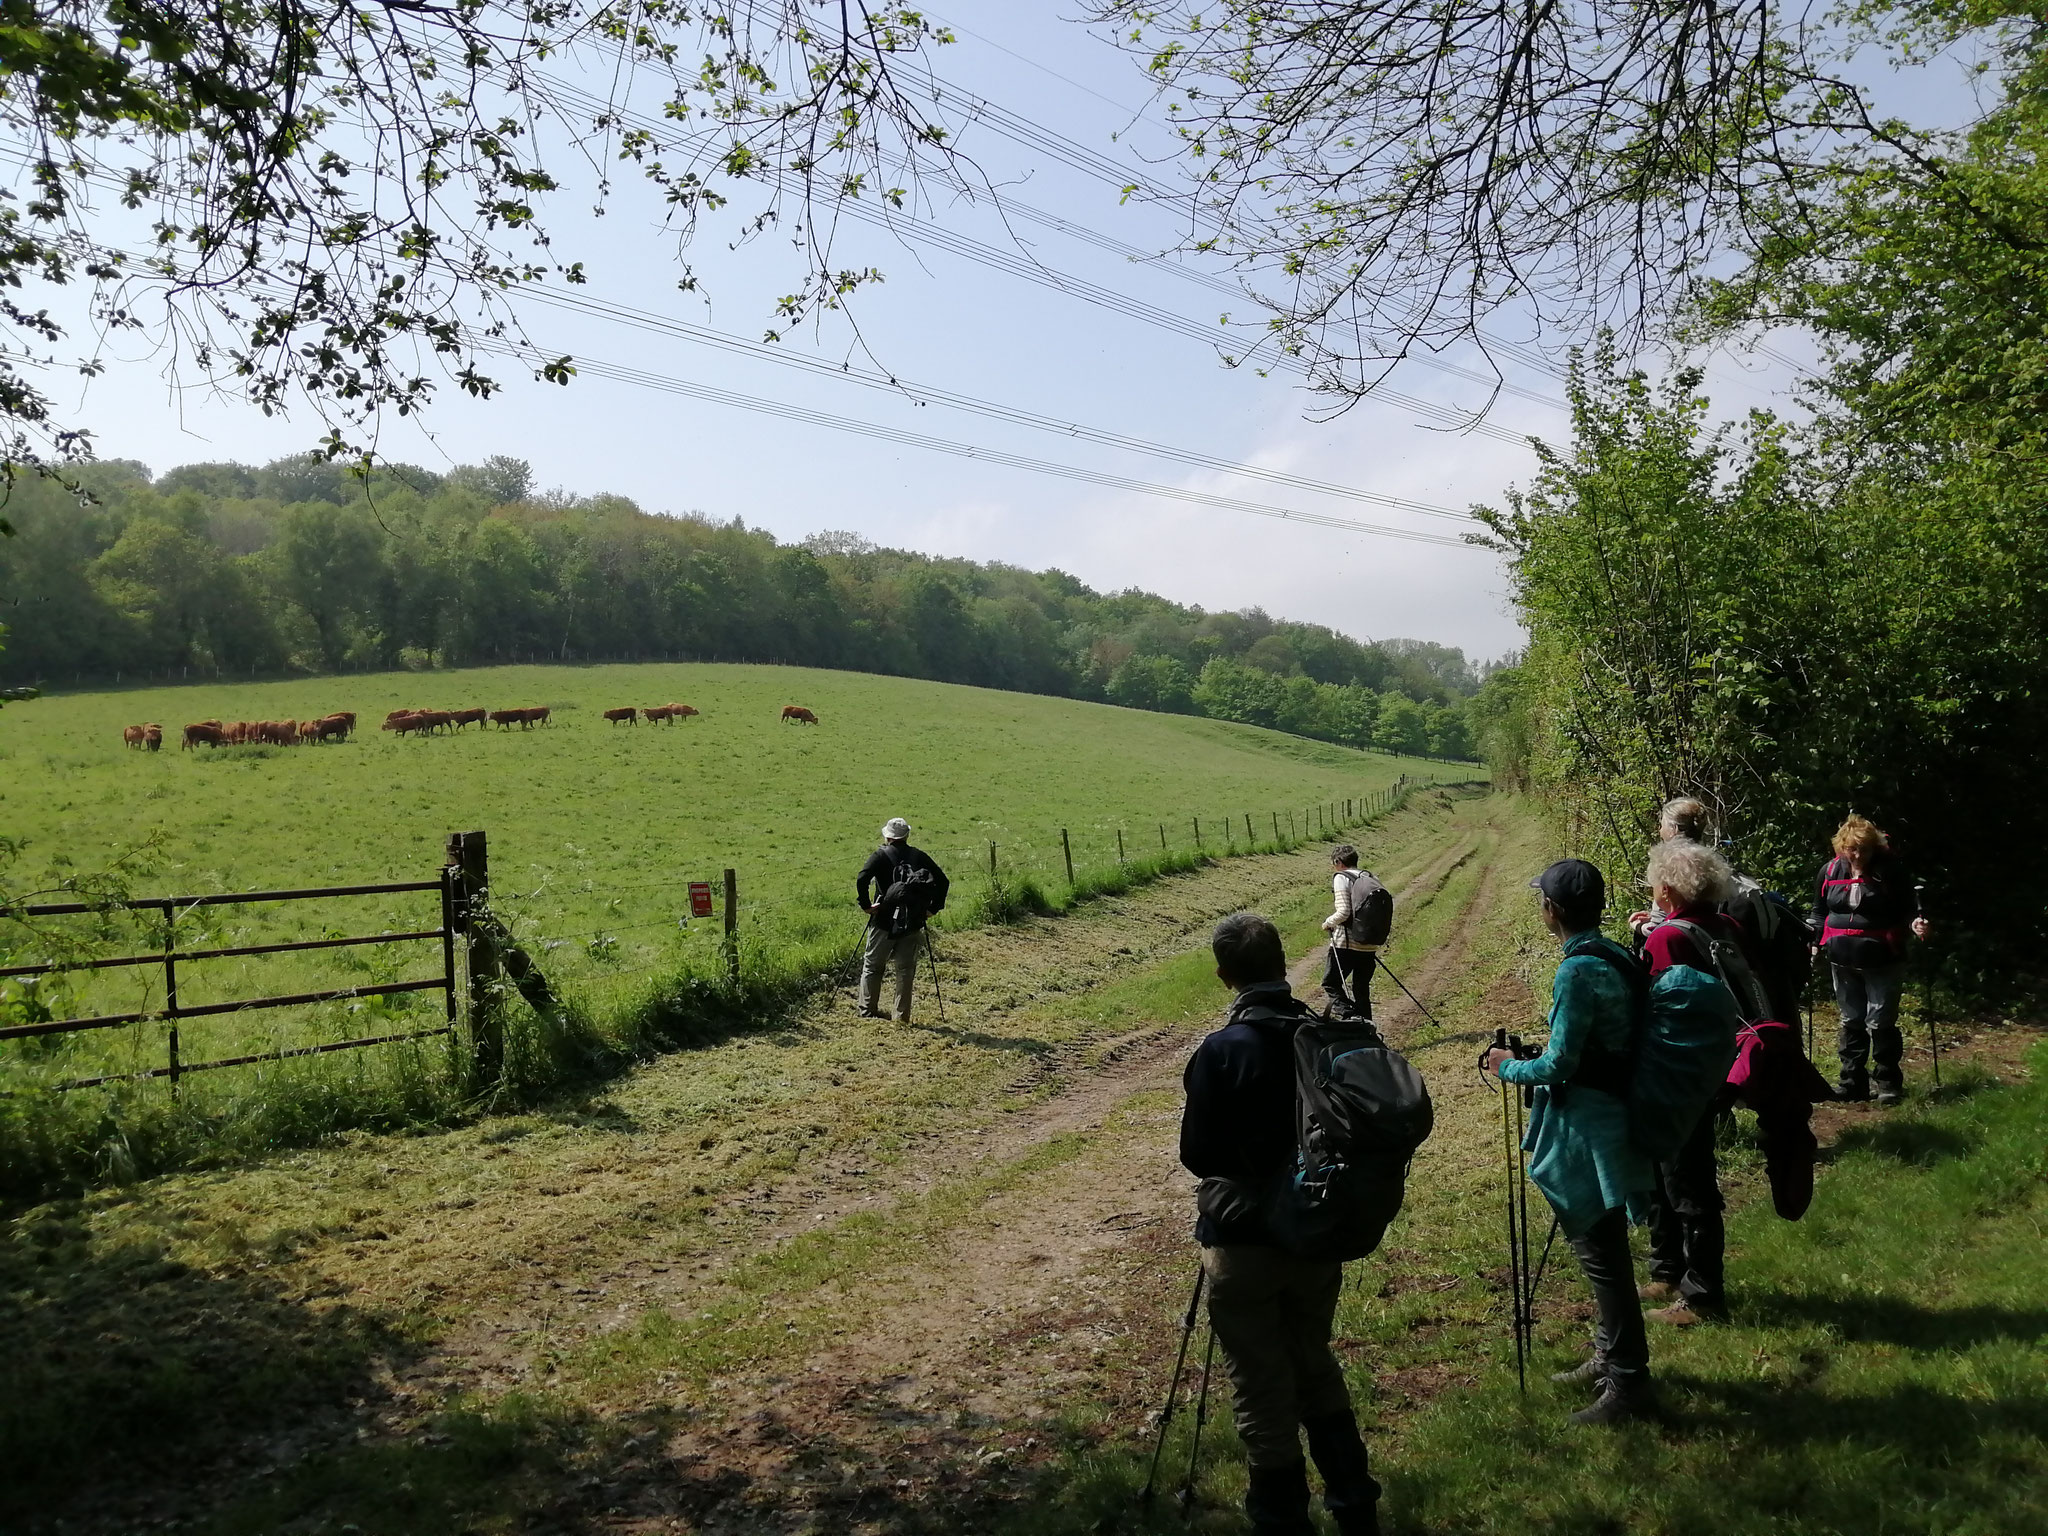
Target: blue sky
949, 323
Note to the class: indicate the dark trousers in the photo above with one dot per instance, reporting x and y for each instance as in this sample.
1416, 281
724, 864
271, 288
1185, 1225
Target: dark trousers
1868, 997
1687, 1233
1619, 1338
1348, 978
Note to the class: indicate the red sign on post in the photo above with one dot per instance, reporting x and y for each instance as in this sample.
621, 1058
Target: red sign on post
700, 898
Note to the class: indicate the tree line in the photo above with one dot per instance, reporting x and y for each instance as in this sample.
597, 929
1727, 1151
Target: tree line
305, 565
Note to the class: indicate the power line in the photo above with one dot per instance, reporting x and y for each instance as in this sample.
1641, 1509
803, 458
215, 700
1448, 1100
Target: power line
873, 430
661, 324
647, 320
907, 226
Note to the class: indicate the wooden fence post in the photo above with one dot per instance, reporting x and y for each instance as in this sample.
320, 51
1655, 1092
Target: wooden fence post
991, 863
1250, 841
469, 857
732, 927
1120, 846
1162, 837
1067, 853
1198, 834
1276, 826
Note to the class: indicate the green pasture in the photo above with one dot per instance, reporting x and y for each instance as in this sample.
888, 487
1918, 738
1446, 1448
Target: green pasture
595, 829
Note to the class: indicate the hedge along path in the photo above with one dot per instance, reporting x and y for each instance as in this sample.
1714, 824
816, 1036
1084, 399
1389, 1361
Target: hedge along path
679, 1227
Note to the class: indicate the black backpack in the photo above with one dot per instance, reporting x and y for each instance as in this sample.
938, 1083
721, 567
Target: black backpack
1360, 1112
918, 891
1783, 943
1372, 910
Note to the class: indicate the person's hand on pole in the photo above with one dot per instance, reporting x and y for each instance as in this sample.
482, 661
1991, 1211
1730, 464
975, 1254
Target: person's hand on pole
1920, 927
1491, 1061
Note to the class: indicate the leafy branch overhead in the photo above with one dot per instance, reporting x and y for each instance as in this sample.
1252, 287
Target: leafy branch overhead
341, 199
1390, 175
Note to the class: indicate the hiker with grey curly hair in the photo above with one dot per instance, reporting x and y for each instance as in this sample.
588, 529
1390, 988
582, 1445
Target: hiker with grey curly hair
1688, 1237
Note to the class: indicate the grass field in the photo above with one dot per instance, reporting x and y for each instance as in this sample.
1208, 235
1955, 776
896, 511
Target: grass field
594, 831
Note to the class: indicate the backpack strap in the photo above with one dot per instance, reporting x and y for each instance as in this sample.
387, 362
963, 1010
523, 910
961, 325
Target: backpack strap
1600, 1066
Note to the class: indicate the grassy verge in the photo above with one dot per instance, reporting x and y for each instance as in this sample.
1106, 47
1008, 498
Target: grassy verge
51, 1143
1883, 1373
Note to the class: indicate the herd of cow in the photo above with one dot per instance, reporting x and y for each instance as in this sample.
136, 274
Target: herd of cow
235, 733
403, 722
668, 712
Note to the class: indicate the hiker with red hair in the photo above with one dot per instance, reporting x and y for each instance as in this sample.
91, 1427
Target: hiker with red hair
1864, 907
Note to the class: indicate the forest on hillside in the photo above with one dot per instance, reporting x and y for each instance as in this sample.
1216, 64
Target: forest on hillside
303, 566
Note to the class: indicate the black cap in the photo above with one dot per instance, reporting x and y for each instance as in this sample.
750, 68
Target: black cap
1572, 885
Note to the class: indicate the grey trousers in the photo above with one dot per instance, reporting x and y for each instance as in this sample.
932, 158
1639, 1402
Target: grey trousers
881, 953
1619, 1338
1272, 1315
1869, 1000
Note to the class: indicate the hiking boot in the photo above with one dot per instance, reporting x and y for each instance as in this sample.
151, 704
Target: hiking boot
1590, 1370
1852, 1092
1890, 1095
1617, 1404
1276, 1500
1349, 1492
871, 1013
1684, 1314
1657, 1290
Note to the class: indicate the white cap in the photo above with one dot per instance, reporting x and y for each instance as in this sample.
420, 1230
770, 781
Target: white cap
895, 829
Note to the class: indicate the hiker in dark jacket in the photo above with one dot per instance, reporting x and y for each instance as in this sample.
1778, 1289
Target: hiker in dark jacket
1864, 907
1688, 1236
1580, 1154
1270, 1312
899, 887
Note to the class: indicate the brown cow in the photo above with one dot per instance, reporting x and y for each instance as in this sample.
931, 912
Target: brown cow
799, 714
153, 737
204, 731
330, 728
505, 719
309, 730
464, 717
623, 716
131, 736
347, 720
233, 735
663, 712
391, 720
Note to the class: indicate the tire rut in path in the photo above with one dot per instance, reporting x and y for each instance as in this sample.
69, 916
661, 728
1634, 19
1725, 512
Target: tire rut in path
970, 1347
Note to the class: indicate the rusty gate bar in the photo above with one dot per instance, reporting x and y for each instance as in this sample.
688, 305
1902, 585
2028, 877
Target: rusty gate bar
223, 899
246, 1061
206, 1010
220, 954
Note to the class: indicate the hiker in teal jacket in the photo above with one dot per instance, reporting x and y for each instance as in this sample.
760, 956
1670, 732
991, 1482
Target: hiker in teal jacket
1578, 1141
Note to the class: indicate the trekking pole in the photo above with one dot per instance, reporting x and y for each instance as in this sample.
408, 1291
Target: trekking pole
932, 955
1508, 1168
1186, 1497
1527, 1316
1180, 1359
1927, 996
1397, 981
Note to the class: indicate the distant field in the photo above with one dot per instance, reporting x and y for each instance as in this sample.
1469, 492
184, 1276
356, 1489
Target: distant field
595, 828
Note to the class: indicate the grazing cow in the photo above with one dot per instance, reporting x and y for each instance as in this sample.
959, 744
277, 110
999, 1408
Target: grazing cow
799, 714
309, 730
204, 731
233, 735
623, 716
131, 736
153, 737
464, 717
332, 728
347, 720
391, 720
505, 719
217, 725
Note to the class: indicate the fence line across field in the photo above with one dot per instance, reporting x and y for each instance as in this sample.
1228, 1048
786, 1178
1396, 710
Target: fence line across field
492, 961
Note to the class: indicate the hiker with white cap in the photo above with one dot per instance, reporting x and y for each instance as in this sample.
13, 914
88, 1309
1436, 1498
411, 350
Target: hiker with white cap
899, 887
